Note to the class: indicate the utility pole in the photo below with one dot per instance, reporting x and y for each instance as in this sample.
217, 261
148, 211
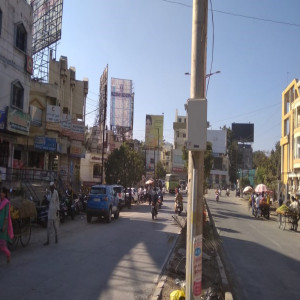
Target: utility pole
196, 156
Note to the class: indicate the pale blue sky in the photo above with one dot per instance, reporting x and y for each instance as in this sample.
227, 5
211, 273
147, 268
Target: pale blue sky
149, 42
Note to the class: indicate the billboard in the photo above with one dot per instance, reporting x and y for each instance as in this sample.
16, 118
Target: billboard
154, 130
47, 23
243, 132
218, 140
121, 103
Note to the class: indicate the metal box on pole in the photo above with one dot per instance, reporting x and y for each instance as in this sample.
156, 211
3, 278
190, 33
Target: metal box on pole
196, 124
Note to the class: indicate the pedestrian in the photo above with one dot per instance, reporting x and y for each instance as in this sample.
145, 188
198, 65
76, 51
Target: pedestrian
6, 229
53, 213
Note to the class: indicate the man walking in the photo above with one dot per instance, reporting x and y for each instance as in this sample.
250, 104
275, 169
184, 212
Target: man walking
53, 213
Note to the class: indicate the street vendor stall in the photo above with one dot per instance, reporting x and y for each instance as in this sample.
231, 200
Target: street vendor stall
21, 211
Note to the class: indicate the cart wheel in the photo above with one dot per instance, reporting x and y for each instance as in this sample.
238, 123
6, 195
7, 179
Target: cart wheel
284, 221
25, 233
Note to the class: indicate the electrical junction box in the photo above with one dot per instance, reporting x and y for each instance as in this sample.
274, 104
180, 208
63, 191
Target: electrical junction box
196, 124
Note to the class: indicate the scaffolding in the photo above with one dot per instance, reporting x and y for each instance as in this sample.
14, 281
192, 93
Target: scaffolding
122, 109
46, 32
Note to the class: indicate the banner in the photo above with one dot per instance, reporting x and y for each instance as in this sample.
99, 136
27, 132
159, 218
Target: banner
154, 131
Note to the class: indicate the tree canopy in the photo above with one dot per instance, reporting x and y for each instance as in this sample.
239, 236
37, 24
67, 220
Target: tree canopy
124, 166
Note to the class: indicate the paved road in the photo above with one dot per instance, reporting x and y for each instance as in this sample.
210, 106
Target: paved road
120, 260
264, 261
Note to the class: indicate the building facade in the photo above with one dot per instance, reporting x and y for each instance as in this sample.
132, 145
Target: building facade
290, 139
15, 74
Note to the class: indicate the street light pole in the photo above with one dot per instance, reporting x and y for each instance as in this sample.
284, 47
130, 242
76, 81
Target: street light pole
196, 158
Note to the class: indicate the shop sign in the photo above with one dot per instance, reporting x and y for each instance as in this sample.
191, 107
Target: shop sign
18, 121
2, 119
45, 143
76, 149
95, 158
36, 115
53, 117
78, 130
66, 124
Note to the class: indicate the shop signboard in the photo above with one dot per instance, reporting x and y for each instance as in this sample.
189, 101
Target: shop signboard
53, 117
18, 121
45, 143
2, 119
78, 130
76, 149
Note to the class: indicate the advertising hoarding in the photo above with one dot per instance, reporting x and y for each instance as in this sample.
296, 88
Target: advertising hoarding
243, 132
121, 106
154, 130
47, 23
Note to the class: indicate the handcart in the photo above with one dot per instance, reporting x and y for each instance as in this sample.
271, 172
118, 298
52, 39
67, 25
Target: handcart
21, 211
288, 217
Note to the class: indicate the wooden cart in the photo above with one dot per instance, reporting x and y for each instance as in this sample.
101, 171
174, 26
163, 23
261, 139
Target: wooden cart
288, 220
22, 211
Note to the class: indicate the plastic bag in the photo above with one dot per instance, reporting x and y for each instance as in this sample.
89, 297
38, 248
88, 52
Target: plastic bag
177, 295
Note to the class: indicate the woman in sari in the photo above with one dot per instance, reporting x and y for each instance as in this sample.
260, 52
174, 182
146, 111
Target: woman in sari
6, 231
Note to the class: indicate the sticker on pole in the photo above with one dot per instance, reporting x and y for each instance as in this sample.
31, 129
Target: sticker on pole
197, 266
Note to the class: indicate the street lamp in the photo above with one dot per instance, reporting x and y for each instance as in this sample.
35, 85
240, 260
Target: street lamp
207, 75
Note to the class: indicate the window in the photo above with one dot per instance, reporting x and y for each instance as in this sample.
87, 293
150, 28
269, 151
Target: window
96, 171
184, 135
21, 37
17, 95
0, 21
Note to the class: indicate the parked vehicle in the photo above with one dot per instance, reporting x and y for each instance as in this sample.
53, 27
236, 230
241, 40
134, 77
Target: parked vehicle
134, 194
119, 190
63, 210
102, 202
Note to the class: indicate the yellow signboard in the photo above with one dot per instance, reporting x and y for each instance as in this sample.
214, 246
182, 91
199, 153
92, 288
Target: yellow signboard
154, 131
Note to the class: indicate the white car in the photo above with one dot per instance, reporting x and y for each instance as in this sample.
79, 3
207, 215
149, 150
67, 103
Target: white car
134, 194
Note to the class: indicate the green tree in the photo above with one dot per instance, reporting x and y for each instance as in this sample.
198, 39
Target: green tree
267, 167
244, 182
124, 166
208, 159
160, 171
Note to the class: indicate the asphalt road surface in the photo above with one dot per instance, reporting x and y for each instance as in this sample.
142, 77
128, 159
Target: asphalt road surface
120, 260
263, 261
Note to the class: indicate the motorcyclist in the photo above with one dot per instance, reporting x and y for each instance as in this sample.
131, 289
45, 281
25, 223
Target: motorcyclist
178, 199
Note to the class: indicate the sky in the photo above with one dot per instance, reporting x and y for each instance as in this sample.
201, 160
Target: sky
254, 44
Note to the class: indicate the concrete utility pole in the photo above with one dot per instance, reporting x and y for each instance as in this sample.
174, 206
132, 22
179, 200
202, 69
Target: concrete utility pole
196, 156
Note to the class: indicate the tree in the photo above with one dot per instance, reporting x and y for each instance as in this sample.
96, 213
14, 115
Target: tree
208, 159
124, 166
160, 171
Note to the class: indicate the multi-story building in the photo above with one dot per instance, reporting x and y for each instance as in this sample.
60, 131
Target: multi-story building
15, 72
178, 164
166, 157
290, 139
219, 175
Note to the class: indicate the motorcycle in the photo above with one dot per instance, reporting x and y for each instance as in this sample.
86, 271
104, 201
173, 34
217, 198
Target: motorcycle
63, 211
178, 208
70, 205
153, 210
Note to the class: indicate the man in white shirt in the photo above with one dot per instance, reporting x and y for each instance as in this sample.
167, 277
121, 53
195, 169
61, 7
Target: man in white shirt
53, 213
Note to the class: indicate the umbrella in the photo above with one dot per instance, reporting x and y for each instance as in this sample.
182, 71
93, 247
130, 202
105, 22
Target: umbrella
150, 181
247, 189
261, 188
